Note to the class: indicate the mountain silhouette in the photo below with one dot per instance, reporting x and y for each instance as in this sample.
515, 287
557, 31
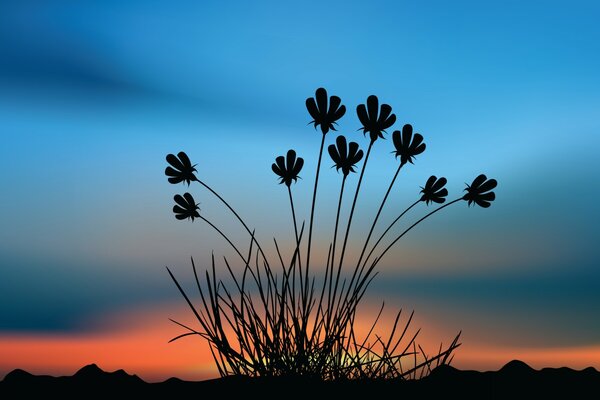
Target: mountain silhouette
515, 380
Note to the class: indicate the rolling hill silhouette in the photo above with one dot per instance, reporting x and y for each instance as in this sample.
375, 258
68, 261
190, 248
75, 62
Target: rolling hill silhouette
515, 380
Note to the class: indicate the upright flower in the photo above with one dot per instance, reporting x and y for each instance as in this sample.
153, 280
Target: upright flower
181, 169
345, 157
326, 117
288, 168
407, 146
185, 207
375, 120
434, 190
479, 191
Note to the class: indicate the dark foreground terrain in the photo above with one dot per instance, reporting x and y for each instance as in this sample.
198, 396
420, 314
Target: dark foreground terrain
516, 380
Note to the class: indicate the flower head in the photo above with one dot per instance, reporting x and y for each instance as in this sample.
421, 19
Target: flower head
407, 146
185, 207
434, 190
345, 157
326, 117
374, 120
181, 169
479, 191
288, 168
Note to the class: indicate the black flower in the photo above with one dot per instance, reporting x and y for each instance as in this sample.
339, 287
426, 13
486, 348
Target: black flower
373, 123
479, 191
181, 169
345, 157
434, 190
319, 112
288, 171
405, 148
185, 207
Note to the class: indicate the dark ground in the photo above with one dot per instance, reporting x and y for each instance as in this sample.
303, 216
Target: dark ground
516, 380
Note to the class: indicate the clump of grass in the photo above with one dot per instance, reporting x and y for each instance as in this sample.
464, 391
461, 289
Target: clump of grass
278, 320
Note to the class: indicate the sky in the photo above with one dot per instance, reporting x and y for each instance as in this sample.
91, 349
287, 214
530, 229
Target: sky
93, 95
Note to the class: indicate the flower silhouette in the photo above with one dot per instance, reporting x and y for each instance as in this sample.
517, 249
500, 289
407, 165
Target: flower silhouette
288, 168
373, 123
434, 190
181, 169
345, 157
479, 191
407, 146
319, 112
185, 207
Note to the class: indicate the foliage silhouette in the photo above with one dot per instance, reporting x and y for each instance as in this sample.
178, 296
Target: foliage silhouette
288, 171
345, 156
288, 323
407, 146
185, 207
434, 190
181, 169
479, 191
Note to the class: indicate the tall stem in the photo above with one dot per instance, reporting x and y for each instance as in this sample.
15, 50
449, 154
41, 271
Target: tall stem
237, 216
295, 228
362, 172
387, 230
312, 210
337, 220
226, 238
362, 253
410, 227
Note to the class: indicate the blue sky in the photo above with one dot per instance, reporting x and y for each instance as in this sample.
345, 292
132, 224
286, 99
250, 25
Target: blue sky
94, 95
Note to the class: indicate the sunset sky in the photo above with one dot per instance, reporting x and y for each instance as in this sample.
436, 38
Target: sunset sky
94, 94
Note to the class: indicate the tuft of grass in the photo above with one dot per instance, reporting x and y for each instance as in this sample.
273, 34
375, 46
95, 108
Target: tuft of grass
278, 320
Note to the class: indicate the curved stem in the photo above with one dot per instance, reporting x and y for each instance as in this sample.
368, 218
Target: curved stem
312, 208
387, 230
362, 172
237, 216
226, 238
295, 227
410, 227
362, 253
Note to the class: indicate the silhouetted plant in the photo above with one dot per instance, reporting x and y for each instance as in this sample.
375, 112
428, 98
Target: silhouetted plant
479, 191
281, 323
434, 190
185, 207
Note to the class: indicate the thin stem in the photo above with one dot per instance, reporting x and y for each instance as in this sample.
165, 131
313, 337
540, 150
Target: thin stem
236, 214
226, 238
295, 227
312, 208
362, 253
362, 172
412, 226
337, 219
388, 229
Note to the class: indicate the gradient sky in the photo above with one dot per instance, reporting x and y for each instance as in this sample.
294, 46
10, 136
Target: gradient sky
94, 94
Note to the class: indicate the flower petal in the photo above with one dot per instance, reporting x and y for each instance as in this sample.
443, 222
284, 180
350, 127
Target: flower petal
175, 162
321, 96
440, 183
487, 186
184, 159
372, 107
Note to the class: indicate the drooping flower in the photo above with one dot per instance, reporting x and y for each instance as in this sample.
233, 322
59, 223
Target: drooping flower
434, 190
288, 168
479, 191
181, 169
345, 157
407, 146
375, 120
326, 117
185, 207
